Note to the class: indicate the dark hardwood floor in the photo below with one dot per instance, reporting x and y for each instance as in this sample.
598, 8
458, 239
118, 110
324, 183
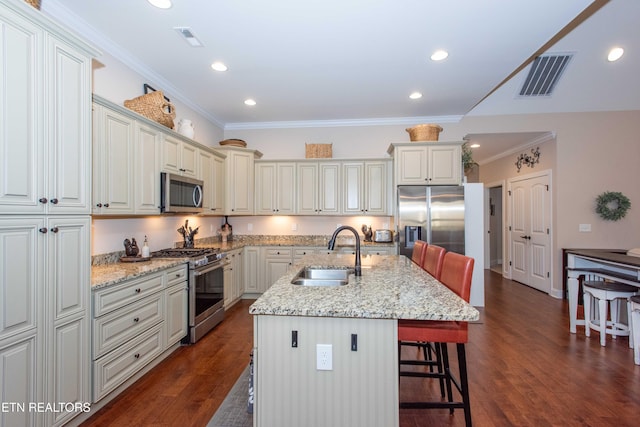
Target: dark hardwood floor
525, 369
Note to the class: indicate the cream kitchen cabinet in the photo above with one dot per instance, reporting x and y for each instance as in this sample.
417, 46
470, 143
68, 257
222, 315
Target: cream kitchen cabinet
239, 173
318, 188
211, 167
233, 278
253, 270
436, 163
45, 265
276, 261
113, 162
275, 185
146, 169
134, 323
179, 157
45, 88
366, 187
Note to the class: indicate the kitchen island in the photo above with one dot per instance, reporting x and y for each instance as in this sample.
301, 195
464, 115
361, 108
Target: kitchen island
355, 326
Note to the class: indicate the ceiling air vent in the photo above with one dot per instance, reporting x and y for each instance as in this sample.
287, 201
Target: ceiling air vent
544, 74
188, 36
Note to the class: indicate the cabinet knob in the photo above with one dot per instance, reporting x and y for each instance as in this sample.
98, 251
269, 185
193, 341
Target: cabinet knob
137, 291
53, 201
136, 319
99, 205
137, 355
43, 230
106, 205
54, 230
43, 200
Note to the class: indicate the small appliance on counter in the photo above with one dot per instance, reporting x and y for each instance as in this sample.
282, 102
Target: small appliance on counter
383, 236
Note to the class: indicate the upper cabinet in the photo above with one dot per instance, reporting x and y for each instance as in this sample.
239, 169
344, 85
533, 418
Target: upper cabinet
179, 157
211, 167
318, 188
239, 172
45, 85
275, 188
431, 163
365, 187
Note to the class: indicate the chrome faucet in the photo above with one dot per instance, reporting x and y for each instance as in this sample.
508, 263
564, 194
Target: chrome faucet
332, 244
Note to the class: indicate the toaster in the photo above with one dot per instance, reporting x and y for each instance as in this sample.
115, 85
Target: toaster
382, 236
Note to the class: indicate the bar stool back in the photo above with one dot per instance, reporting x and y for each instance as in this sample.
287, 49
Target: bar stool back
419, 251
433, 260
607, 295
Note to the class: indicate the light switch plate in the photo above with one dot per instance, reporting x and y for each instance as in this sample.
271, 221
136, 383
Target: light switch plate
584, 228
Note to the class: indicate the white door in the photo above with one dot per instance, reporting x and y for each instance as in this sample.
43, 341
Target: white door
530, 231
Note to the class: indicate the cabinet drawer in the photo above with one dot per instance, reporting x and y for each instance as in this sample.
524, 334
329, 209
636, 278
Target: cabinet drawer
299, 253
117, 327
112, 298
279, 252
116, 367
176, 275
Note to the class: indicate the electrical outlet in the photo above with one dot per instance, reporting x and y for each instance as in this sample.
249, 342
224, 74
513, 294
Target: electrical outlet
294, 227
385, 225
249, 227
324, 357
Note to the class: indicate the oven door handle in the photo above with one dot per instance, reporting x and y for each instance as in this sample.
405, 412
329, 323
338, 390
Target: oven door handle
208, 270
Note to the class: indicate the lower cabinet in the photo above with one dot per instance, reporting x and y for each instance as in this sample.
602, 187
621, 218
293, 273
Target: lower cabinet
134, 323
233, 278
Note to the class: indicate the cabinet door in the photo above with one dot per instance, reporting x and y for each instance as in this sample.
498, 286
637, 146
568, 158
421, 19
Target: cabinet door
266, 188
20, 381
307, 178
113, 164
377, 188
176, 313
445, 165
190, 160
277, 263
353, 187
228, 286
219, 185
329, 191
171, 155
69, 134
21, 116
69, 377
286, 188
411, 165
22, 279
206, 169
252, 270
240, 181
147, 170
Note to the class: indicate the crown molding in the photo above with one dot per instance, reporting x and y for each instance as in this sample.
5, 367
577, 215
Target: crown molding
387, 121
546, 137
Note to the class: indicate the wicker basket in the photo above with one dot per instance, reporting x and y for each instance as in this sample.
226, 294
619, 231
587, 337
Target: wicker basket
34, 3
424, 132
318, 151
153, 106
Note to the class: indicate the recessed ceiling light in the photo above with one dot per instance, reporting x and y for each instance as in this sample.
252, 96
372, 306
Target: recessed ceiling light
219, 66
161, 4
615, 54
474, 145
439, 55
415, 95
250, 102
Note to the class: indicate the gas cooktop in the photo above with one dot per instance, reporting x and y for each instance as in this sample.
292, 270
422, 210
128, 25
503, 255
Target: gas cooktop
198, 257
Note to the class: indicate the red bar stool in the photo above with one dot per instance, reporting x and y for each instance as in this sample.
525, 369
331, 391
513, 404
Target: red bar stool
457, 271
434, 257
419, 251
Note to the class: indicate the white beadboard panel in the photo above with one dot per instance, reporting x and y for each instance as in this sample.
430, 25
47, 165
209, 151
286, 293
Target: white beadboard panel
361, 390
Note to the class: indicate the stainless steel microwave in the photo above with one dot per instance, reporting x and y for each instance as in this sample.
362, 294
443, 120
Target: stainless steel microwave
180, 194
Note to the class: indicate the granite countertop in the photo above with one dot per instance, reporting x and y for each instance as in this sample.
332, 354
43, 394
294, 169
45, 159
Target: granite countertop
391, 287
111, 274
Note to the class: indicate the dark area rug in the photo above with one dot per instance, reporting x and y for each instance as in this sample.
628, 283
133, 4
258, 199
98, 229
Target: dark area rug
233, 411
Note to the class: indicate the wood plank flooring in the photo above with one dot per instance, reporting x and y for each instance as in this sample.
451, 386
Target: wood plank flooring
525, 369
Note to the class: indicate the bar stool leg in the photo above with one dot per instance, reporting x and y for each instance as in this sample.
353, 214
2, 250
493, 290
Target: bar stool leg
587, 305
464, 385
602, 303
635, 319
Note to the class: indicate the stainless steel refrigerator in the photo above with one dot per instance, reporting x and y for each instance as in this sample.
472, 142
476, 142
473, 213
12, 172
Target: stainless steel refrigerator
433, 214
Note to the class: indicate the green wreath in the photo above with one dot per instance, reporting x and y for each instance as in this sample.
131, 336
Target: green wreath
612, 205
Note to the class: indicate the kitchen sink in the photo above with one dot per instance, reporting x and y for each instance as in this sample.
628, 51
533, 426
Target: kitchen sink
310, 276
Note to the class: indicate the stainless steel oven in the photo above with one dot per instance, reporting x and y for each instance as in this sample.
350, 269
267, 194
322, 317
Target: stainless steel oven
206, 297
206, 288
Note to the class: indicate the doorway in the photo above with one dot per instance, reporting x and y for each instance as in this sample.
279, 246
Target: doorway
530, 230
495, 229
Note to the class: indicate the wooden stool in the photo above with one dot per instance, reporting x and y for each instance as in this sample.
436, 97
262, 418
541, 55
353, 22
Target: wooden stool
611, 294
635, 327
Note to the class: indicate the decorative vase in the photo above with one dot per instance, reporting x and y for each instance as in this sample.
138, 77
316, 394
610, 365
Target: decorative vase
185, 127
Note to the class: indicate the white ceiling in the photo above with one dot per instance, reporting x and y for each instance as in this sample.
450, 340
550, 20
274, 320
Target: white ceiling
354, 61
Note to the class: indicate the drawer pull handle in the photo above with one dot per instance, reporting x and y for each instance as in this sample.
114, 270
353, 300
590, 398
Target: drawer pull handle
178, 274
136, 319
137, 290
137, 355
